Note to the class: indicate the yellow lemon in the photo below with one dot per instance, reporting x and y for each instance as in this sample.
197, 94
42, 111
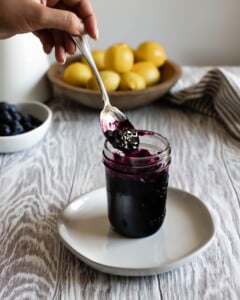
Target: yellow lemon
119, 58
148, 71
151, 51
77, 74
110, 80
98, 57
132, 81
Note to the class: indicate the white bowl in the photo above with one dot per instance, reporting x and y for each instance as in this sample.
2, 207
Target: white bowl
14, 143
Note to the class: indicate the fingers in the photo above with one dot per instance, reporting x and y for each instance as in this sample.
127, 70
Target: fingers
70, 47
91, 27
46, 39
63, 20
60, 53
62, 42
84, 10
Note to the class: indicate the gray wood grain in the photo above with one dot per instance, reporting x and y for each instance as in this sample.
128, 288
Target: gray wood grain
35, 185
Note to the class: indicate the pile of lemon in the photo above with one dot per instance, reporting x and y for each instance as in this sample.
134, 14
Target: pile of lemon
120, 67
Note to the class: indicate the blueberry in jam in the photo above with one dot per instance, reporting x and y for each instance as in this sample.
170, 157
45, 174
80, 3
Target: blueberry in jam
137, 184
13, 122
124, 140
124, 137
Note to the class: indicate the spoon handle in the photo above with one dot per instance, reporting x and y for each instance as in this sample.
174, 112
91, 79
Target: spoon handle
82, 44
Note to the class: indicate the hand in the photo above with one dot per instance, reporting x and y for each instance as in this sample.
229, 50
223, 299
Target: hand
50, 20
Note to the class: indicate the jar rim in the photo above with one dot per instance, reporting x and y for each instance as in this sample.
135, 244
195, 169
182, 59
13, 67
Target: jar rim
162, 152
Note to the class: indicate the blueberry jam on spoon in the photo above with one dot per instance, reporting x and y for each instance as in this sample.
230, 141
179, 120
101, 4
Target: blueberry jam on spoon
124, 137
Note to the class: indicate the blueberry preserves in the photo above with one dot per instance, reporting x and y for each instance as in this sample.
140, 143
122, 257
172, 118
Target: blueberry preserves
137, 184
122, 136
13, 122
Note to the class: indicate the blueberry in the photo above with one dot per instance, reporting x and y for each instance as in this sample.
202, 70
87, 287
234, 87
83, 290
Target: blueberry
36, 122
126, 140
12, 108
17, 116
5, 117
17, 128
16, 122
4, 106
26, 118
5, 130
27, 125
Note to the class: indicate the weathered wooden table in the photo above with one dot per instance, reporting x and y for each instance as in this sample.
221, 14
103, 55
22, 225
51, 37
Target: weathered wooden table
36, 184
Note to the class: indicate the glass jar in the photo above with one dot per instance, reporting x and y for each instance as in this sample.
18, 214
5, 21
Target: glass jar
136, 185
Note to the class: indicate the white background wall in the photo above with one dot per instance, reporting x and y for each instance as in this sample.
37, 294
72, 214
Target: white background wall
205, 32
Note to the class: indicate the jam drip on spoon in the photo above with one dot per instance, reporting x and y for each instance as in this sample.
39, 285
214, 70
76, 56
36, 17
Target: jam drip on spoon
124, 137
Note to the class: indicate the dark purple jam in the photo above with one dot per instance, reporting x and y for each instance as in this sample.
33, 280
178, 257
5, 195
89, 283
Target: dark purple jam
124, 137
136, 194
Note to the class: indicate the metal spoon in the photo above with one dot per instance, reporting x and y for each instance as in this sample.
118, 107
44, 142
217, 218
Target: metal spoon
111, 118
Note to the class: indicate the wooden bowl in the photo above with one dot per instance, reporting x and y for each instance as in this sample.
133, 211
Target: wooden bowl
124, 100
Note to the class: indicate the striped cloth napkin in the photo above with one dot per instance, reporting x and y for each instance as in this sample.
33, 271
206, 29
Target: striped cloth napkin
215, 93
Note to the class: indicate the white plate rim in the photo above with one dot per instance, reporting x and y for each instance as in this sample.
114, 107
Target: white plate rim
130, 272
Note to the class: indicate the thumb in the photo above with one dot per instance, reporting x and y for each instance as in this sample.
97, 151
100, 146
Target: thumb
51, 18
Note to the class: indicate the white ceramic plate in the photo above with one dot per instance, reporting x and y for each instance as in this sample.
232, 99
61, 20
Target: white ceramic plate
187, 231
19, 142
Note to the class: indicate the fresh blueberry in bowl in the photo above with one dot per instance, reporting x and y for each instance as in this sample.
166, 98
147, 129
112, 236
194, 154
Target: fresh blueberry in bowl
17, 128
17, 116
5, 130
14, 122
4, 106
22, 124
5, 117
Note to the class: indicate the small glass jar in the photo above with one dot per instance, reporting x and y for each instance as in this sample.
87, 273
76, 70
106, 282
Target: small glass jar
136, 185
